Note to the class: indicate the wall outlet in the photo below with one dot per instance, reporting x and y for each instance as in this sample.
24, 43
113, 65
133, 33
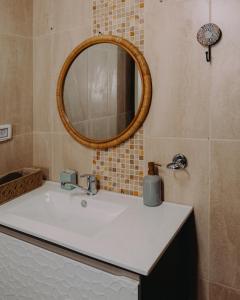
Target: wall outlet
5, 132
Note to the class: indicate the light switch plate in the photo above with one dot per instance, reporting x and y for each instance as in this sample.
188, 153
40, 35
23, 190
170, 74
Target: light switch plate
5, 132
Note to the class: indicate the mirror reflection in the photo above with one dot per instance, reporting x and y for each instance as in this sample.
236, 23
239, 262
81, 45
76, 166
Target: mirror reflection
102, 91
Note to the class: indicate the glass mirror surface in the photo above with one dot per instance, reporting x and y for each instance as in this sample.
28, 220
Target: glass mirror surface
102, 91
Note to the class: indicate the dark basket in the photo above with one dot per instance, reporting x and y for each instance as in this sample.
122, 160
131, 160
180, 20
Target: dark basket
30, 180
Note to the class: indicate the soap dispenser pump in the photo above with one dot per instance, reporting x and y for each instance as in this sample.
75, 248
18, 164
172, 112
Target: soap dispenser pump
152, 187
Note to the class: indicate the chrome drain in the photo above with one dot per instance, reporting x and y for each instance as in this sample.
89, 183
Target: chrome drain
84, 203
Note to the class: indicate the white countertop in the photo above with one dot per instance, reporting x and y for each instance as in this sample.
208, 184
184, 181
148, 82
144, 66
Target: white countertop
135, 240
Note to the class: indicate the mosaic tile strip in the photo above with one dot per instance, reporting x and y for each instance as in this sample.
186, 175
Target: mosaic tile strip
123, 18
121, 169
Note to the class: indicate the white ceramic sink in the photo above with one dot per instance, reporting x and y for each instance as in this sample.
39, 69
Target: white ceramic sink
74, 212
114, 228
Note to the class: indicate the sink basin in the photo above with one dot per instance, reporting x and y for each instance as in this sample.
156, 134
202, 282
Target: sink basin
72, 212
114, 228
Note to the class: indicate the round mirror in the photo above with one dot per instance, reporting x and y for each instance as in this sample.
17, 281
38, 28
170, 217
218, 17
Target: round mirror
104, 91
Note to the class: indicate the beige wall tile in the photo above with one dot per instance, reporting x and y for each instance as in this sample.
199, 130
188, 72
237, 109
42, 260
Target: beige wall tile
67, 153
225, 89
42, 84
42, 152
16, 83
225, 212
60, 15
187, 187
16, 153
203, 290
43, 11
181, 78
218, 292
16, 17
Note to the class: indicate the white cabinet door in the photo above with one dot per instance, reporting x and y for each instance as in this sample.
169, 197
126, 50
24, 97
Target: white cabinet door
29, 272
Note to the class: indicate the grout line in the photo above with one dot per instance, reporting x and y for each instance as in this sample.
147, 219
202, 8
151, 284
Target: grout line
92, 16
22, 134
33, 18
225, 286
210, 11
51, 132
209, 206
175, 138
16, 35
144, 137
33, 82
57, 32
209, 169
225, 140
191, 139
92, 28
52, 166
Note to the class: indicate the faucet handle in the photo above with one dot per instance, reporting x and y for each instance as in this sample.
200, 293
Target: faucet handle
91, 183
92, 178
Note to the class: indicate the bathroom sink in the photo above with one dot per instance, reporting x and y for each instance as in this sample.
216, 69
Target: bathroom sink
111, 227
74, 212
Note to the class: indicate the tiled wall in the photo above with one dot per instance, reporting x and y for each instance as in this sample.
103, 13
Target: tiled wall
59, 25
16, 82
195, 110
120, 169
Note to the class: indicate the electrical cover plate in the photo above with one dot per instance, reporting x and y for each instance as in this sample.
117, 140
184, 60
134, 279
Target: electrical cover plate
5, 132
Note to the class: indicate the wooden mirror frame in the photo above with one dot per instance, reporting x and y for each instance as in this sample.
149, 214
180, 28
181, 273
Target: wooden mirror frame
145, 99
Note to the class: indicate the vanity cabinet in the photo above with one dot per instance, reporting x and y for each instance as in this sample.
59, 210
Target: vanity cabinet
130, 251
28, 272
33, 269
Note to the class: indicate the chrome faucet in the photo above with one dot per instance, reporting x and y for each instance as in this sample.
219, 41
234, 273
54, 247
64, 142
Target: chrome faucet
91, 184
91, 188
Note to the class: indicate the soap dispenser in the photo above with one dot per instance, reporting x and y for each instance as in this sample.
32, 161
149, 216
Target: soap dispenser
152, 195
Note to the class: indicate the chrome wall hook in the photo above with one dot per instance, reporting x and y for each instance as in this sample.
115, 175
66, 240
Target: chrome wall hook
179, 162
208, 36
209, 54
